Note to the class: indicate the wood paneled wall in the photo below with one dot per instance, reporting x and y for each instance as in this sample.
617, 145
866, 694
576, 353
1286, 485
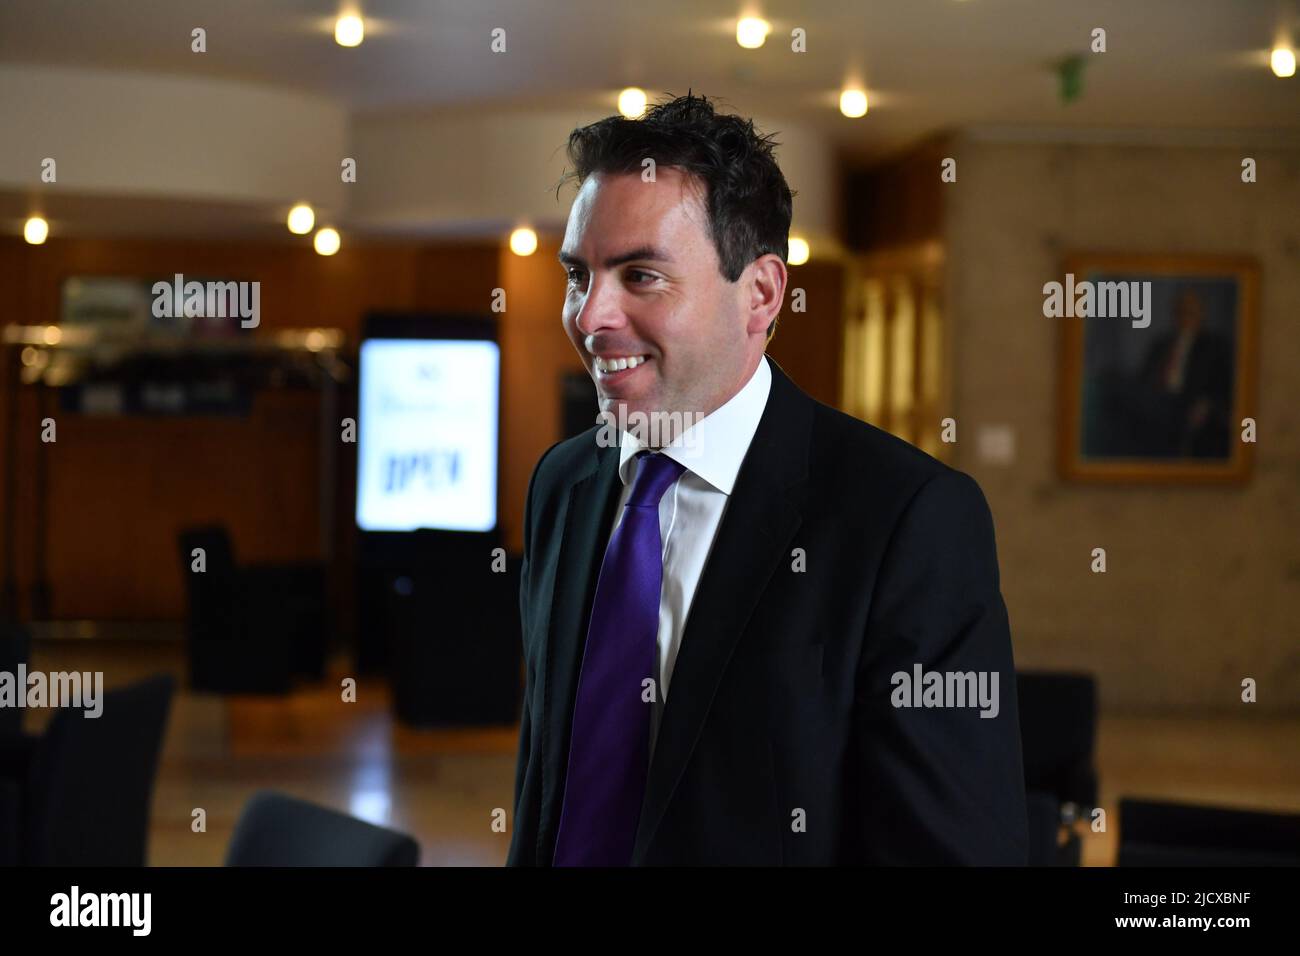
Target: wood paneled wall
119, 489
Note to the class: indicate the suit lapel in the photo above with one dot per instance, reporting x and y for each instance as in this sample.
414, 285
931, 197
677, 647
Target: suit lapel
588, 516
753, 540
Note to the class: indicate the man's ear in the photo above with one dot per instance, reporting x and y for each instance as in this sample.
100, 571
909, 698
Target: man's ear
765, 281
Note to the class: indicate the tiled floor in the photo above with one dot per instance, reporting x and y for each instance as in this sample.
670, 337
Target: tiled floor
443, 787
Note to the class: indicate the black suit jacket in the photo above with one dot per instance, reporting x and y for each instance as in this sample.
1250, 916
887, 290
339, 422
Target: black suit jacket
779, 743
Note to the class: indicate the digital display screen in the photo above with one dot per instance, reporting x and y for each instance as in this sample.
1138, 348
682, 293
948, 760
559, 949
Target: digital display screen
427, 435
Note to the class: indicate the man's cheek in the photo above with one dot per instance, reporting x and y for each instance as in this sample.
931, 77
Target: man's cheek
571, 330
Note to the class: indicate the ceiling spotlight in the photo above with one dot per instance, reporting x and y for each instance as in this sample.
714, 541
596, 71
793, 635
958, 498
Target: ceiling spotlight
301, 219
631, 102
523, 241
349, 30
1283, 62
327, 241
799, 252
751, 32
35, 230
853, 103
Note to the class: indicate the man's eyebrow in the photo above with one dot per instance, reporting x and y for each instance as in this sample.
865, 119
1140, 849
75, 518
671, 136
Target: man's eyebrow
647, 253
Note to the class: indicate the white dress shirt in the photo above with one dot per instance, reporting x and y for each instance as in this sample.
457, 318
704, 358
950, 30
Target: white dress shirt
691, 510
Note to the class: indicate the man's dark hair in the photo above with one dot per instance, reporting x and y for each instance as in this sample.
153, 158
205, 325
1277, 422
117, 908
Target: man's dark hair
745, 194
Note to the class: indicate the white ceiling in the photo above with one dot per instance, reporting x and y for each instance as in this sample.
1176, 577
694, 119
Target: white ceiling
928, 64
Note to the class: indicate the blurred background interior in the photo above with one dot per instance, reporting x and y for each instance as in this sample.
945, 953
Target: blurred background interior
183, 436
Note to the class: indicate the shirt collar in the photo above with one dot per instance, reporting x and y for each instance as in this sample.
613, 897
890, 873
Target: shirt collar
715, 446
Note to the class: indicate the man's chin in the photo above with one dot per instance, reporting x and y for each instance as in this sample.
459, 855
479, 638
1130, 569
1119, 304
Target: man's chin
625, 410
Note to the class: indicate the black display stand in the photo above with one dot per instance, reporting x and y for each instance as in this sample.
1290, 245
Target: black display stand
433, 613
455, 635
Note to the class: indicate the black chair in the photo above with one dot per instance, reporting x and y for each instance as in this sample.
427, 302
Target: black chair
1058, 732
278, 830
81, 793
1154, 833
251, 628
1044, 814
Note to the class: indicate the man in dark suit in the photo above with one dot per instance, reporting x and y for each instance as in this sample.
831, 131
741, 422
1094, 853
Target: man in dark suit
767, 633
1186, 379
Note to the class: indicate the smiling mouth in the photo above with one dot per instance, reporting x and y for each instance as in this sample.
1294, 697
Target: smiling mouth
616, 364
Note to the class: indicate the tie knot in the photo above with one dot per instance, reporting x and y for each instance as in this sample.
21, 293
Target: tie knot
654, 474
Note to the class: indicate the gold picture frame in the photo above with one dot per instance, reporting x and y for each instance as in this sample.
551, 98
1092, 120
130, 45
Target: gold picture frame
1160, 397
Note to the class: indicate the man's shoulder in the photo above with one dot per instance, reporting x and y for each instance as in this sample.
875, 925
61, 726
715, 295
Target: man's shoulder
845, 452
860, 470
844, 445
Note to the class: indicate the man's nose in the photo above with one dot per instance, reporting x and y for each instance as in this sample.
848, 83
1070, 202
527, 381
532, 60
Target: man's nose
601, 307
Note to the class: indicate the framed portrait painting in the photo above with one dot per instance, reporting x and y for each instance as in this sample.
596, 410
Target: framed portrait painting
1157, 367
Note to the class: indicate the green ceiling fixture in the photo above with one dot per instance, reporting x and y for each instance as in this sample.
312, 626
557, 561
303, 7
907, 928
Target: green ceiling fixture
1070, 71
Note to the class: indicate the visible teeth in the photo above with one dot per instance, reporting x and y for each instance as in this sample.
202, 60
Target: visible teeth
619, 363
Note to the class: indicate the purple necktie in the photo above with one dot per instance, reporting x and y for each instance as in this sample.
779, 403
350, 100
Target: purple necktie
609, 753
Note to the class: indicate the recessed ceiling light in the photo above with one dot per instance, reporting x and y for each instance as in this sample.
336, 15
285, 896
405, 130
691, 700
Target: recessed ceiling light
301, 219
1283, 62
349, 30
35, 230
799, 251
523, 241
853, 103
327, 241
631, 102
751, 32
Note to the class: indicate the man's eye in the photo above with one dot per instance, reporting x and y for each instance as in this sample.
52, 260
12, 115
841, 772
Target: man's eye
575, 274
633, 273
